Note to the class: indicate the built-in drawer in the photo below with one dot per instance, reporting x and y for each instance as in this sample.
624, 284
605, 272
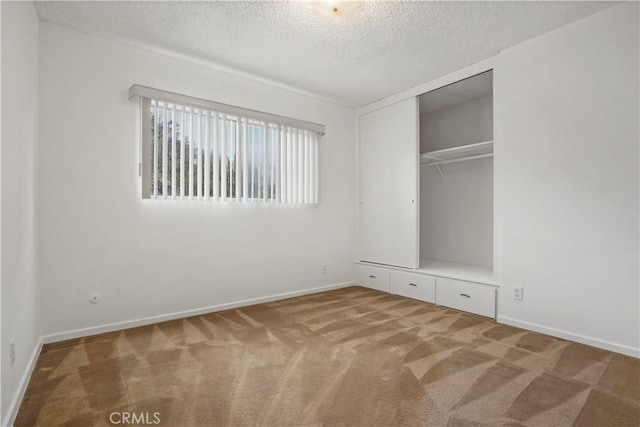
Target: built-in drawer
411, 285
466, 296
373, 277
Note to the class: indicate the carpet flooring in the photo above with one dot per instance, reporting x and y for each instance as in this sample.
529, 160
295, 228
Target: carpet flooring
349, 357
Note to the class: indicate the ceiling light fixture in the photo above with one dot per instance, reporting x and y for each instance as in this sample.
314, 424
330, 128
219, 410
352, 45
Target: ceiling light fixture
333, 8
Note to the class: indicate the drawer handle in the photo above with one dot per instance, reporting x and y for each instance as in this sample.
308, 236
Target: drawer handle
413, 284
465, 295
372, 277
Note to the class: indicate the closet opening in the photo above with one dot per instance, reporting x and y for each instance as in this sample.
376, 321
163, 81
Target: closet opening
456, 179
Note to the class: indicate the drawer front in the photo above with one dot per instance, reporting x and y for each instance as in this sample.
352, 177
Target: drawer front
411, 285
467, 296
373, 277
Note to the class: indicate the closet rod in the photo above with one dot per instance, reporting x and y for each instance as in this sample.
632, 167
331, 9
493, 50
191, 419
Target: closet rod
444, 162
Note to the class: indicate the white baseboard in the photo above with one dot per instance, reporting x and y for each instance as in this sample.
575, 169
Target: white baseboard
12, 411
594, 342
94, 330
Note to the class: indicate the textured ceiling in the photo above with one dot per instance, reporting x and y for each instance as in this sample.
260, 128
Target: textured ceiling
378, 49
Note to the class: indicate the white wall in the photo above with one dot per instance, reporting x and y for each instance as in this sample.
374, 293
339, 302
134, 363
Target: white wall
567, 121
461, 124
456, 214
20, 319
149, 257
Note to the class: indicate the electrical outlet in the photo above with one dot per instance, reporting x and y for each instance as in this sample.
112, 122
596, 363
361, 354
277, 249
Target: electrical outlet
518, 294
12, 352
324, 269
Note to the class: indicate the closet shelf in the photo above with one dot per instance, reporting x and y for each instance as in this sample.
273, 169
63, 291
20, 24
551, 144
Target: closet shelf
458, 271
457, 154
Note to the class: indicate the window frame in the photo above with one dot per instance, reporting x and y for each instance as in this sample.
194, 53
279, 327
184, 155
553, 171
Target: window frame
296, 179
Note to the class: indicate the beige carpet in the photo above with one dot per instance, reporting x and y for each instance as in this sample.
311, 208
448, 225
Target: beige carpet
350, 357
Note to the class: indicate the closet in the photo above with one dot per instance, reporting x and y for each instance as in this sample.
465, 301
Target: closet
426, 167
456, 177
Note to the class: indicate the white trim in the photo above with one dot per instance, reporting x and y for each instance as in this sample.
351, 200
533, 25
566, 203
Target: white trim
594, 342
110, 327
466, 72
497, 172
12, 411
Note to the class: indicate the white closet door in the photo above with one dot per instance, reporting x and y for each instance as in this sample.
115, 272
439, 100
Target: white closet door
389, 149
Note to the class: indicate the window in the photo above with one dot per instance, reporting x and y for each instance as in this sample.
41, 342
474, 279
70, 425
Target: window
196, 149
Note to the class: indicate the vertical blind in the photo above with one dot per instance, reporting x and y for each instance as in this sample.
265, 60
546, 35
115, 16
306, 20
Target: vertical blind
191, 152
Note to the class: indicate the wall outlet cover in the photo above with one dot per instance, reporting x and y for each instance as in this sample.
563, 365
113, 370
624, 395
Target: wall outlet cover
518, 294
